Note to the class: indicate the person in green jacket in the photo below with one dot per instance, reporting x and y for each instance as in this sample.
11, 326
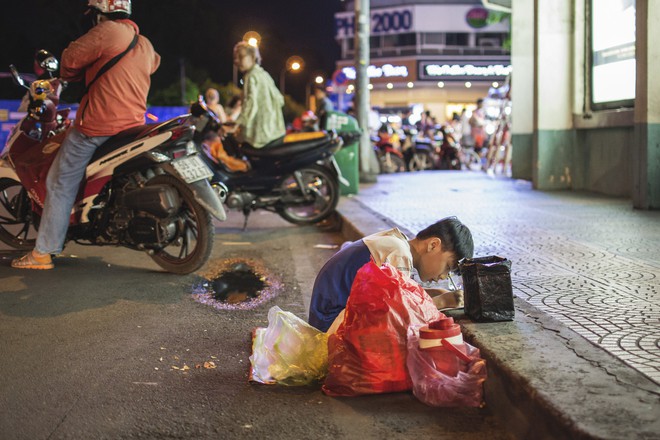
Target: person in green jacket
261, 120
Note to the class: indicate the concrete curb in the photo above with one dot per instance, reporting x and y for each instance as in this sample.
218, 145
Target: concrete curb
545, 381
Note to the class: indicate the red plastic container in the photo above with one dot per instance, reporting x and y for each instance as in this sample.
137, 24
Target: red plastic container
432, 335
443, 340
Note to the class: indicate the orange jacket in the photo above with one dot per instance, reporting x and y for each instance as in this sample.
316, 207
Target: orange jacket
118, 99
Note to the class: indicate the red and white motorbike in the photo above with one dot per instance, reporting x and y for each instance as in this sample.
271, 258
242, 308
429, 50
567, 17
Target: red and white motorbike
145, 188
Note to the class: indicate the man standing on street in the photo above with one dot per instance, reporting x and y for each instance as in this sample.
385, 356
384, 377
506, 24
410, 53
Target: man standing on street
115, 100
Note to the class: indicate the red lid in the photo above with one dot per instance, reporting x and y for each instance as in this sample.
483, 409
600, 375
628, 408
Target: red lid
442, 323
431, 333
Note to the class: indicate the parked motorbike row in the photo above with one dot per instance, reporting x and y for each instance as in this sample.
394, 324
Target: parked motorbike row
154, 188
408, 150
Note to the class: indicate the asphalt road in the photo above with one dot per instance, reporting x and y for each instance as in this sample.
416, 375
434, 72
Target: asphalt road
89, 350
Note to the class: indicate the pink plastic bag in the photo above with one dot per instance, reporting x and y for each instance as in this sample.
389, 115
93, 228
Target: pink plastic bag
435, 388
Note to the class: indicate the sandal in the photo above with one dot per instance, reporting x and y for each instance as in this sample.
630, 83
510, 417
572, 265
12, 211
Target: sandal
31, 261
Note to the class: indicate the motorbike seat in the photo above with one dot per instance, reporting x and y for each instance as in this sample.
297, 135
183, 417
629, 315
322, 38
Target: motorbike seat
130, 134
282, 147
122, 138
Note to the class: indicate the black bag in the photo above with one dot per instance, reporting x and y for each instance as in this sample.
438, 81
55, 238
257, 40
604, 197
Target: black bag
487, 288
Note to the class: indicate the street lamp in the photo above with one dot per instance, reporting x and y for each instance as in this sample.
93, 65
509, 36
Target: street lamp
293, 64
252, 38
317, 79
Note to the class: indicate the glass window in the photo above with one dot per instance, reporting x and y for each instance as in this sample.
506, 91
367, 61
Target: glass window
489, 39
434, 38
613, 65
457, 39
399, 40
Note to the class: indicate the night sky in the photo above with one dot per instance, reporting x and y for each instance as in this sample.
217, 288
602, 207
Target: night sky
202, 32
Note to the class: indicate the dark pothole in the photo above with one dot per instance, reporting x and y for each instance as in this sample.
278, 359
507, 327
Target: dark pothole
235, 284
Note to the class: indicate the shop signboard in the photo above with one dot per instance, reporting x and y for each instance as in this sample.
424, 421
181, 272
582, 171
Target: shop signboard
384, 72
383, 22
420, 18
439, 70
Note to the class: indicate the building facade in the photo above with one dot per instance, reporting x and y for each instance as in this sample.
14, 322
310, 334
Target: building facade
585, 89
590, 119
439, 55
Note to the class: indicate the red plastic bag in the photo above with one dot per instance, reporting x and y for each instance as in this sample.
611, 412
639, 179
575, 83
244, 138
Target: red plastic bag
367, 354
435, 388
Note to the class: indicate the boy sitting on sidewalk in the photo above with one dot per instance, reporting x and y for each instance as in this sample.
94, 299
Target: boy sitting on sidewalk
433, 253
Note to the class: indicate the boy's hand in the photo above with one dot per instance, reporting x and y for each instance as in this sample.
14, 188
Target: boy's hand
448, 300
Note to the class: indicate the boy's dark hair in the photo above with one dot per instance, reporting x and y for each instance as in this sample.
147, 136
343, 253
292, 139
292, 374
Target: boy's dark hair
455, 236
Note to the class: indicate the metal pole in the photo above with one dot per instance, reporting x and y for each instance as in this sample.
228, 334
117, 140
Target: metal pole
282, 79
182, 73
362, 105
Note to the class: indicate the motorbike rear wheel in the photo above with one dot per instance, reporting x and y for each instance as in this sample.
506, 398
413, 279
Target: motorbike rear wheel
16, 226
315, 202
194, 238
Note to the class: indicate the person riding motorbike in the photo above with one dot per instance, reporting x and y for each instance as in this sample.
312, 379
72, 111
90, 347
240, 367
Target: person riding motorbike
212, 98
115, 100
261, 120
323, 104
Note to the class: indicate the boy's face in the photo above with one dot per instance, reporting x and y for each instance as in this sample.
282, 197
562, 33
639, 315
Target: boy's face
435, 264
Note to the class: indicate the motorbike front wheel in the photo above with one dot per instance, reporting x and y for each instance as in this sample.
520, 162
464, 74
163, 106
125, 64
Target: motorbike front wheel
308, 196
420, 161
391, 163
16, 228
193, 242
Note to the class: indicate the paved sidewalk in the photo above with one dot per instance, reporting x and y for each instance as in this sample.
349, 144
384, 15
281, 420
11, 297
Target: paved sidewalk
582, 264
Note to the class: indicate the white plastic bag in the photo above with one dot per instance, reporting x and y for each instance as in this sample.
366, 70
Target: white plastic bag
289, 351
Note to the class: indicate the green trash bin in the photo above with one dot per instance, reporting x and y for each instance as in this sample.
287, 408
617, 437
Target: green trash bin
347, 158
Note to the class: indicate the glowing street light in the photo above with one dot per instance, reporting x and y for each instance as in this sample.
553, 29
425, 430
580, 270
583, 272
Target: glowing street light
293, 64
252, 38
318, 79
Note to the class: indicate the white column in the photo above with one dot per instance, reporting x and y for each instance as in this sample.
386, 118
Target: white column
522, 87
646, 153
553, 89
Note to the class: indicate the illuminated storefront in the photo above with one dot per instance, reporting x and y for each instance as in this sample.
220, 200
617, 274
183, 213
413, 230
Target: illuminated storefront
439, 56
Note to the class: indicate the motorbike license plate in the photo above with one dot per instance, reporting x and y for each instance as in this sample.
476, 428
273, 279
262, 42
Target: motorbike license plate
192, 168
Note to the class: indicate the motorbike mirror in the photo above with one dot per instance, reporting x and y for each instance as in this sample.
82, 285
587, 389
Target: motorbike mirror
17, 77
50, 64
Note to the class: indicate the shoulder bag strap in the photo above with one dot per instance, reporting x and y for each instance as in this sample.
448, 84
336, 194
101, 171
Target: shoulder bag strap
111, 63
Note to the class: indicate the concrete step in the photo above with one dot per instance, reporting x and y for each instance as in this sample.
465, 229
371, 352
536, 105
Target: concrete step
544, 380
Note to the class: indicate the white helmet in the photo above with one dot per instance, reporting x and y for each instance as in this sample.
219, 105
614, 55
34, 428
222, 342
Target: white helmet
111, 6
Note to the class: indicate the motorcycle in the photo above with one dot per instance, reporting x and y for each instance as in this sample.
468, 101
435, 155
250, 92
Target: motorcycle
144, 188
390, 158
423, 154
297, 177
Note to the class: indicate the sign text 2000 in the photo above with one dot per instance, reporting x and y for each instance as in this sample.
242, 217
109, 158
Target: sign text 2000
391, 21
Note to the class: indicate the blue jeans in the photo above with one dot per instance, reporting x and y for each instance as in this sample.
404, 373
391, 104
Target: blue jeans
62, 186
